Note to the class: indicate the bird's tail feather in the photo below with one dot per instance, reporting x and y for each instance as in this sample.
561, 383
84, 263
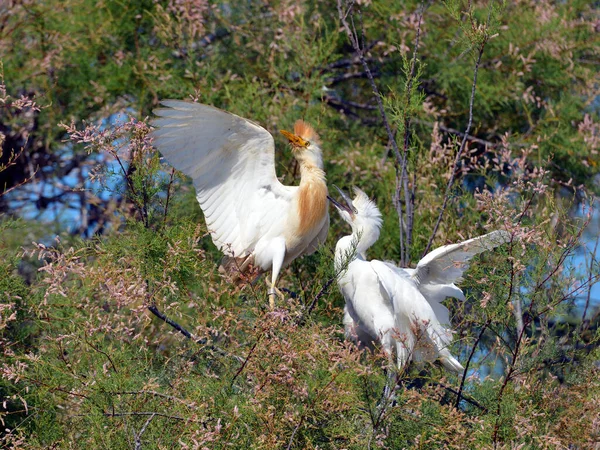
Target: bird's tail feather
441, 338
451, 363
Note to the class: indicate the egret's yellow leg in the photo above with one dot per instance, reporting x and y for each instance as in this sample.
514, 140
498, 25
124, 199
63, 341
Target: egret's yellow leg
278, 252
273, 291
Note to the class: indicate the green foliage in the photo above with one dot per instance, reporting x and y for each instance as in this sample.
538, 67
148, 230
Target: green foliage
85, 357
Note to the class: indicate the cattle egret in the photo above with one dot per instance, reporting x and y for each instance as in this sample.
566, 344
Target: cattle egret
252, 217
400, 307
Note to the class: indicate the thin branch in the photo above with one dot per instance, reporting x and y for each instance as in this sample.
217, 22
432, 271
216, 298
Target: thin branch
404, 256
341, 102
320, 294
324, 289
156, 394
470, 137
294, 433
154, 310
360, 52
590, 284
239, 371
312, 405
470, 400
169, 186
342, 63
518, 307
202, 341
138, 436
133, 197
507, 378
590, 281
349, 76
468, 363
103, 352
142, 413
58, 389
21, 183
462, 144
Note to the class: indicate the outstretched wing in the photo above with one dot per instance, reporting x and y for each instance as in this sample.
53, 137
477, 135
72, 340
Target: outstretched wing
446, 265
232, 164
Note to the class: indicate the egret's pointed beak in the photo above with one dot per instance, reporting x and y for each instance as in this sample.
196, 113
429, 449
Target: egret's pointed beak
296, 141
348, 206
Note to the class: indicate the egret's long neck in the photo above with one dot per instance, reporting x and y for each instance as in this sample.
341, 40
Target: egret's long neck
311, 173
345, 253
356, 245
365, 234
312, 196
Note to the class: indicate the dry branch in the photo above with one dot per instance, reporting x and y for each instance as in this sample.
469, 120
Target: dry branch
345, 12
461, 149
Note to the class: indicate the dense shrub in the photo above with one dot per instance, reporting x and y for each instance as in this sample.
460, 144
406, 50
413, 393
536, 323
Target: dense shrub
116, 328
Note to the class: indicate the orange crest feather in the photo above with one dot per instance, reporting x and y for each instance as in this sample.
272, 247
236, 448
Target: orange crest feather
306, 131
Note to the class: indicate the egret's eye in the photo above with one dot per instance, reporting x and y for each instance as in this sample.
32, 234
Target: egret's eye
306, 144
354, 210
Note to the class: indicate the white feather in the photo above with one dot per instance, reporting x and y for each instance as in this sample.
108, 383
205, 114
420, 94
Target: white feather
402, 308
231, 162
446, 264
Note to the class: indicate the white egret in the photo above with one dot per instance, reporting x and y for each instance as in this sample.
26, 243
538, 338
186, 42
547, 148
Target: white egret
252, 217
400, 307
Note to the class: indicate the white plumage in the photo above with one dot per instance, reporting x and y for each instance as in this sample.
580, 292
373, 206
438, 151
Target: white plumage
251, 216
400, 307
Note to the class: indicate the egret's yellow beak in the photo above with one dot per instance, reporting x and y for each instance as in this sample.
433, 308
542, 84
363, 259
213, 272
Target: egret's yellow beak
296, 141
348, 207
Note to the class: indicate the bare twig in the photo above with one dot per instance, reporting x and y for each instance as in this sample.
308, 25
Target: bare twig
312, 405
341, 102
102, 352
518, 307
470, 137
590, 284
320, 294
360, 52
459, 153
156, 394
154, 310
409, 205
239, 371
507, 378
468, 363
349, 76
201, 341
294, 433
18, 185
138, 436
171, 177
142, 413
341, 63
406, 212
353, 36
470, 400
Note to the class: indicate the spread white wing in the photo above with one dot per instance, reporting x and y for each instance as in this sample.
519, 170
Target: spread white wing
437, 272
446, 265
232, 164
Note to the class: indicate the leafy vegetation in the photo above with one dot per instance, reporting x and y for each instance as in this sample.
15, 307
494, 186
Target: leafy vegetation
118, 331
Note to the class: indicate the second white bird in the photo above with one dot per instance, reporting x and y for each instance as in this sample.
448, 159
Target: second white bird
400, 307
